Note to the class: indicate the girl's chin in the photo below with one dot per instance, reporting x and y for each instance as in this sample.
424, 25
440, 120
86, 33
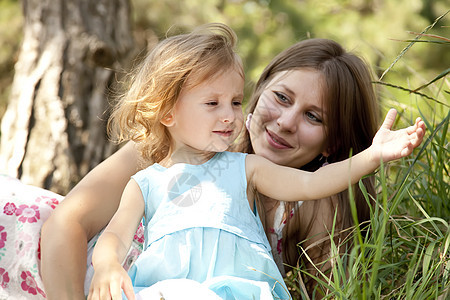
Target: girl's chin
220, 147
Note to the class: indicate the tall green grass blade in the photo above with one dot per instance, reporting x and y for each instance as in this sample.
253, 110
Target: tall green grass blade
426, 41
439, 37
380, 234
442, 75
427, 259
412, 271
426, 216
411, 44
411, 92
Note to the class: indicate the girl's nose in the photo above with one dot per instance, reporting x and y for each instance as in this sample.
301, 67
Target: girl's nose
229, 115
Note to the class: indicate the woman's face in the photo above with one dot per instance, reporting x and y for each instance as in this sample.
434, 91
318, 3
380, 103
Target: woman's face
287, 126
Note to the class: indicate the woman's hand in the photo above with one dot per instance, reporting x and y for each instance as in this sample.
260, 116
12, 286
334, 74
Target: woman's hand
390, 145
108, 282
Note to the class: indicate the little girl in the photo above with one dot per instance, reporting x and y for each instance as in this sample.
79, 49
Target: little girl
183, 109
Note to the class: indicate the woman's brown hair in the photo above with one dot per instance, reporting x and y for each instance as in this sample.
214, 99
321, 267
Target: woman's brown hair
352, 118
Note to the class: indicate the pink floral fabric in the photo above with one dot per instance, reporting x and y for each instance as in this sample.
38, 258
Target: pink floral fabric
23, 210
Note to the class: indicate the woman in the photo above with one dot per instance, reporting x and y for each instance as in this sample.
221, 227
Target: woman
313, 104
316, 112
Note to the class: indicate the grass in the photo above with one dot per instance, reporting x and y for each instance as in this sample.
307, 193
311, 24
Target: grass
407, 253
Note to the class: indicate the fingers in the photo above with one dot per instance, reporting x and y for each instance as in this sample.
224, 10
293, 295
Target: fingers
115, 290
390, 119
409, 146
418, 120
100, 294
421, 126
128, 289
418, 138
413, 128
417, 132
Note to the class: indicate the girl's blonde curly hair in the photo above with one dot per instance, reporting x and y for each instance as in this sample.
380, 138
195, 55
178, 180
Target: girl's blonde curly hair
154, 86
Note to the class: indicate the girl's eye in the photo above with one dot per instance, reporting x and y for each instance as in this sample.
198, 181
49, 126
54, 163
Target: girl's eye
281, 97
212, 103
237, 103
313, 118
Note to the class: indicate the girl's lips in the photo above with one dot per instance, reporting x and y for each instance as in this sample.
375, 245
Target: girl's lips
276, 141
224, 133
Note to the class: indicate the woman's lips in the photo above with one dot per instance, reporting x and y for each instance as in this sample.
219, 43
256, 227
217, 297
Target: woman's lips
276, 141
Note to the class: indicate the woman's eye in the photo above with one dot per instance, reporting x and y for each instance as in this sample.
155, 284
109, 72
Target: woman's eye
237, 103
212, 103
312, 117
281, 97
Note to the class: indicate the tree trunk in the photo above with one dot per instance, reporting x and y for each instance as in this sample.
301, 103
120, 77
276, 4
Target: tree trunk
53, 131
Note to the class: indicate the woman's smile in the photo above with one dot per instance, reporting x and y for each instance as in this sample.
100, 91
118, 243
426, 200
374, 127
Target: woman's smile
276, 141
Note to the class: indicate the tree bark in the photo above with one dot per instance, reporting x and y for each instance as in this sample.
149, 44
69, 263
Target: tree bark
53, 131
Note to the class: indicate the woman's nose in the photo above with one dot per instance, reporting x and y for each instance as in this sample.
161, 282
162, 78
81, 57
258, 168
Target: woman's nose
288, 120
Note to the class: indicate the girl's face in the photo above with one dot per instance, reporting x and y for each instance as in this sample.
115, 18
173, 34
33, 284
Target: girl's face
208, 116
287, 126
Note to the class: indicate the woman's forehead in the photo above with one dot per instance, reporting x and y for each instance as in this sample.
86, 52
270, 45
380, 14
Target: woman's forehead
280, 76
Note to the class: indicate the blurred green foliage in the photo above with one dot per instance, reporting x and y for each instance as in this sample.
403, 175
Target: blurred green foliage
374, 29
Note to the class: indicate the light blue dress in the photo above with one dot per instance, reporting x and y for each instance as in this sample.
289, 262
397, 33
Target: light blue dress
199, 226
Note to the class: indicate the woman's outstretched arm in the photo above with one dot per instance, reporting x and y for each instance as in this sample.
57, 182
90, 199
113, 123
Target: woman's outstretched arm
86, 210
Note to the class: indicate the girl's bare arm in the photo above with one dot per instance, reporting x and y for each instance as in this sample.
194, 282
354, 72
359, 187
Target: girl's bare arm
110, 278
289, 184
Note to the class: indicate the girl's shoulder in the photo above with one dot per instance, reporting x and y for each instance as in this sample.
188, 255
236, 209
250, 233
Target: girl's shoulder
233, 154
146, 175
227, 156
230, 158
